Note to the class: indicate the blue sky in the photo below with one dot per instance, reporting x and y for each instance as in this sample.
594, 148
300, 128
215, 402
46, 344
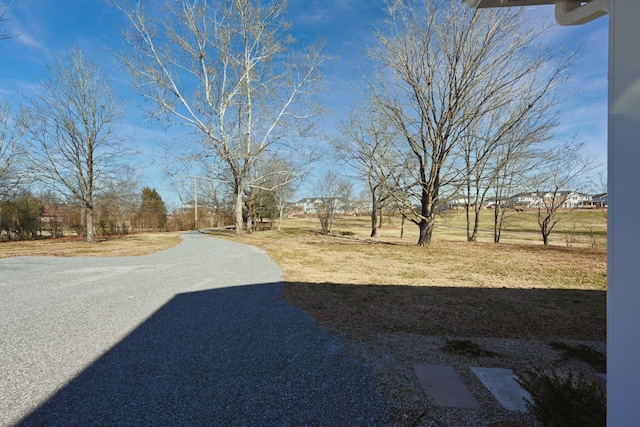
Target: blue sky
46, 28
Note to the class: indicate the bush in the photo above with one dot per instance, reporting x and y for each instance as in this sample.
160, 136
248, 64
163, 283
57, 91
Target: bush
565, 400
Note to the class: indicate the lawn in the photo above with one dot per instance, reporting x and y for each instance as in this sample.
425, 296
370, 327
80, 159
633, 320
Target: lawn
518, 288
129, 245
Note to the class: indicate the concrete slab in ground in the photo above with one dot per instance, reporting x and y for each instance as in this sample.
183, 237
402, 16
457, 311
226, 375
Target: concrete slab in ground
444, 387
502, 384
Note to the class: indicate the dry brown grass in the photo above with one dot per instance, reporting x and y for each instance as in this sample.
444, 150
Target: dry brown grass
130, 245
452, 287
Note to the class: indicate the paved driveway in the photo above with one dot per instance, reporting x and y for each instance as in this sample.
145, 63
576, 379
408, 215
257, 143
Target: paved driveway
194, 335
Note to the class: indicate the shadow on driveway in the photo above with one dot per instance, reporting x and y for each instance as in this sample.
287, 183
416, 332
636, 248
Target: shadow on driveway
229, 356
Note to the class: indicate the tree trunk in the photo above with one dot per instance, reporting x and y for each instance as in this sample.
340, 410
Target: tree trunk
280, 215
238, 212
426, 230
249, 205
497, 224
476, 225
89, 220
544, 230
374, 216
467, 210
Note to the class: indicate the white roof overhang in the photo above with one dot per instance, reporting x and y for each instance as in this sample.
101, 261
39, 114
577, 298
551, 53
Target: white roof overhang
568, 12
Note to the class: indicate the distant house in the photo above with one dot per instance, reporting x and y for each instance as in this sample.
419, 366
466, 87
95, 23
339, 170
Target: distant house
307, 205
539, 199
597, 201
456, 202
360, 207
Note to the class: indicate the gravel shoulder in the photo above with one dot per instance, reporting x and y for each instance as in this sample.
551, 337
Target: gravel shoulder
392, 356
194, 335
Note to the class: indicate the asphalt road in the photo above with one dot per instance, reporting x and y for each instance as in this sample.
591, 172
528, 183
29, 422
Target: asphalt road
194, 335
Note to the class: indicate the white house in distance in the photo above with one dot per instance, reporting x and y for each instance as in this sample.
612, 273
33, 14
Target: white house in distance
538, 199
535, 200
307, 205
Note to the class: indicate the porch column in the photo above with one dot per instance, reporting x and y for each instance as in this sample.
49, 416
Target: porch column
623, 294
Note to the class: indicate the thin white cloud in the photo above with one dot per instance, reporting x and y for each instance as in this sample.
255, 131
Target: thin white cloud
23, 37
26, 22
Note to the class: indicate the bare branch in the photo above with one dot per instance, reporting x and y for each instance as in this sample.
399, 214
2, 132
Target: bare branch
70, 124
229, 71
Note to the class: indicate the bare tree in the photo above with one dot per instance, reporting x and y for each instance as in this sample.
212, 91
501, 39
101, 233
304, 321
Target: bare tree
366, 144
228, 70
510, 136
327, 191
557, 184
71, 124
279, 177
11, 150
442, 66
513, 162
118, 202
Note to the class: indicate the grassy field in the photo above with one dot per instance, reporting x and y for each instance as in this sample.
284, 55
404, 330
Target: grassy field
518, 288
130, 245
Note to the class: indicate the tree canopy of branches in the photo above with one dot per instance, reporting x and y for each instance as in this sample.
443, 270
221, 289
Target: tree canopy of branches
228, 70
11, 150
329, 190
444, 71
71, 125
562, 175
275, 180
366, 144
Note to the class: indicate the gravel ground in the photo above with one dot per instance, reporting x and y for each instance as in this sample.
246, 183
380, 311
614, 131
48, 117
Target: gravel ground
391, 357
194, 335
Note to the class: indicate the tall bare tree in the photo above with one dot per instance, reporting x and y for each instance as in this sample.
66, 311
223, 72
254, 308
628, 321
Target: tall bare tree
442, 66
510, 136
71, 125
513, 161
228, 70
